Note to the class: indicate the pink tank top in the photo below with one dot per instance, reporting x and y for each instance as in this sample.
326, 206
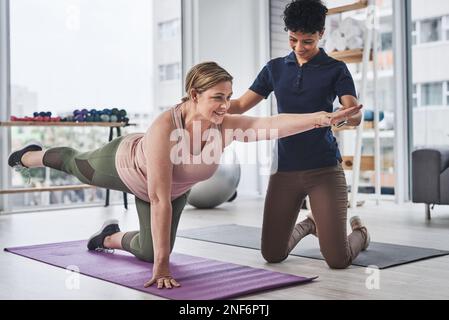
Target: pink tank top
130, 162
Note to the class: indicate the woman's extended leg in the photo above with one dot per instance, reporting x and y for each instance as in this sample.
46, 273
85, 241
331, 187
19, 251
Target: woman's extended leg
95, 167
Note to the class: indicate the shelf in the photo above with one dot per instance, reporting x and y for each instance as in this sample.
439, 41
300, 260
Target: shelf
46, 189
64, 124
367, 163
350, 56
362, 4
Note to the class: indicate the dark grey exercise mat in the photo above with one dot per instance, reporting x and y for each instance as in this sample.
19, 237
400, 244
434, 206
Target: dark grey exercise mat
382, 255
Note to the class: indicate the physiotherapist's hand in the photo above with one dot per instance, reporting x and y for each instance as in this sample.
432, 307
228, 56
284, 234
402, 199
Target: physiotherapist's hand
162, 278
325, 119
342, 115
345, 121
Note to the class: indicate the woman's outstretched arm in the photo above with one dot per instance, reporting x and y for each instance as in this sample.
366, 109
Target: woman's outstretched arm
249, 129
159, 171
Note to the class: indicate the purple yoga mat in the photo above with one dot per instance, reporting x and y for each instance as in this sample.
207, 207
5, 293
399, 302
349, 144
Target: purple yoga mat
200, 278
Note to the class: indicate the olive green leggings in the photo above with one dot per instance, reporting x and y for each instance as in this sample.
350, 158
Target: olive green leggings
97, 168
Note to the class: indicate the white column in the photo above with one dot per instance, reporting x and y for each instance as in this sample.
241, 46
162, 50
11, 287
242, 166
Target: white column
5, 99
190, 34
402, 115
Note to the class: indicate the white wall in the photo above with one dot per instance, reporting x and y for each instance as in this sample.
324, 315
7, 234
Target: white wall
235, 34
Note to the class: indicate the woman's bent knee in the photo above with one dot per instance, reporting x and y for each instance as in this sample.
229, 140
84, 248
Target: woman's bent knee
149, 257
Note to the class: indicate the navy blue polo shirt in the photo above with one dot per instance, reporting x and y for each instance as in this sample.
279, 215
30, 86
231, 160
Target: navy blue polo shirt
312, 87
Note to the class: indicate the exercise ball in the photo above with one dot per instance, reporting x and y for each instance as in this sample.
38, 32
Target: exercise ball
218, 189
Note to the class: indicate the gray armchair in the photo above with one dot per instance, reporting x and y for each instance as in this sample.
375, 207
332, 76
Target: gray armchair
430, 171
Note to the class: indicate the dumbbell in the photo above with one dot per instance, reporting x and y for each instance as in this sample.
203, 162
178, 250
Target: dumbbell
105, 118
79, 118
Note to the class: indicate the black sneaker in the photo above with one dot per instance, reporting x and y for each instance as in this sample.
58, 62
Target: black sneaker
95, 242
15, 158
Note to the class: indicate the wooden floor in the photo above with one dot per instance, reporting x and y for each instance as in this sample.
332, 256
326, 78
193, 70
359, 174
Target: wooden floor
22, 278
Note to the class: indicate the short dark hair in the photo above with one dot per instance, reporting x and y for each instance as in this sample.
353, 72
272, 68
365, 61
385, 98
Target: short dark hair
306, 16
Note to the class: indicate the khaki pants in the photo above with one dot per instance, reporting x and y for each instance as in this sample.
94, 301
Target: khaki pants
328, 195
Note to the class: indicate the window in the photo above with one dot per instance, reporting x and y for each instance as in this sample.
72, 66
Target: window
386, 41
415, 33
430, 123
169, 29
430, 30
446, 28
415, 96
73, 54
168, 72
432, 94
446, 93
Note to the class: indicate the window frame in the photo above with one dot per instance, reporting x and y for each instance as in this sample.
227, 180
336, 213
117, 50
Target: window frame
5, 104
446, 93
5, 100
416, 29
416, 95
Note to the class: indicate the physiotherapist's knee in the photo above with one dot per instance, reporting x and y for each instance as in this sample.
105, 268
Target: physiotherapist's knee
273, 256
338, 262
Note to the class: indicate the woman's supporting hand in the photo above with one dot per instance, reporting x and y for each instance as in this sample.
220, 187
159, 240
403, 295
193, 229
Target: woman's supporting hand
326, 119
162, 278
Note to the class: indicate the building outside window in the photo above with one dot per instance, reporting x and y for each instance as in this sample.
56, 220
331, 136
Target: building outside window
432, 94
446, 27
446, 93
430, 30
415, 33
169, 29
430, 73
415, 96
170, 72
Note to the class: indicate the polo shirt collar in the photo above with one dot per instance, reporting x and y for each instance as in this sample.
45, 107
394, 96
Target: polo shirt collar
316, 61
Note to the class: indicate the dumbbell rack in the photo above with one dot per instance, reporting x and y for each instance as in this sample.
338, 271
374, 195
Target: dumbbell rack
111, 125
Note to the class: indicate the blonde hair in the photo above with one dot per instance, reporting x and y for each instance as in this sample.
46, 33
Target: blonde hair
204, 76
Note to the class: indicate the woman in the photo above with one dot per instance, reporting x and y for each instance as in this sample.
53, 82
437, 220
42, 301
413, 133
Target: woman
160, 166
309, 164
